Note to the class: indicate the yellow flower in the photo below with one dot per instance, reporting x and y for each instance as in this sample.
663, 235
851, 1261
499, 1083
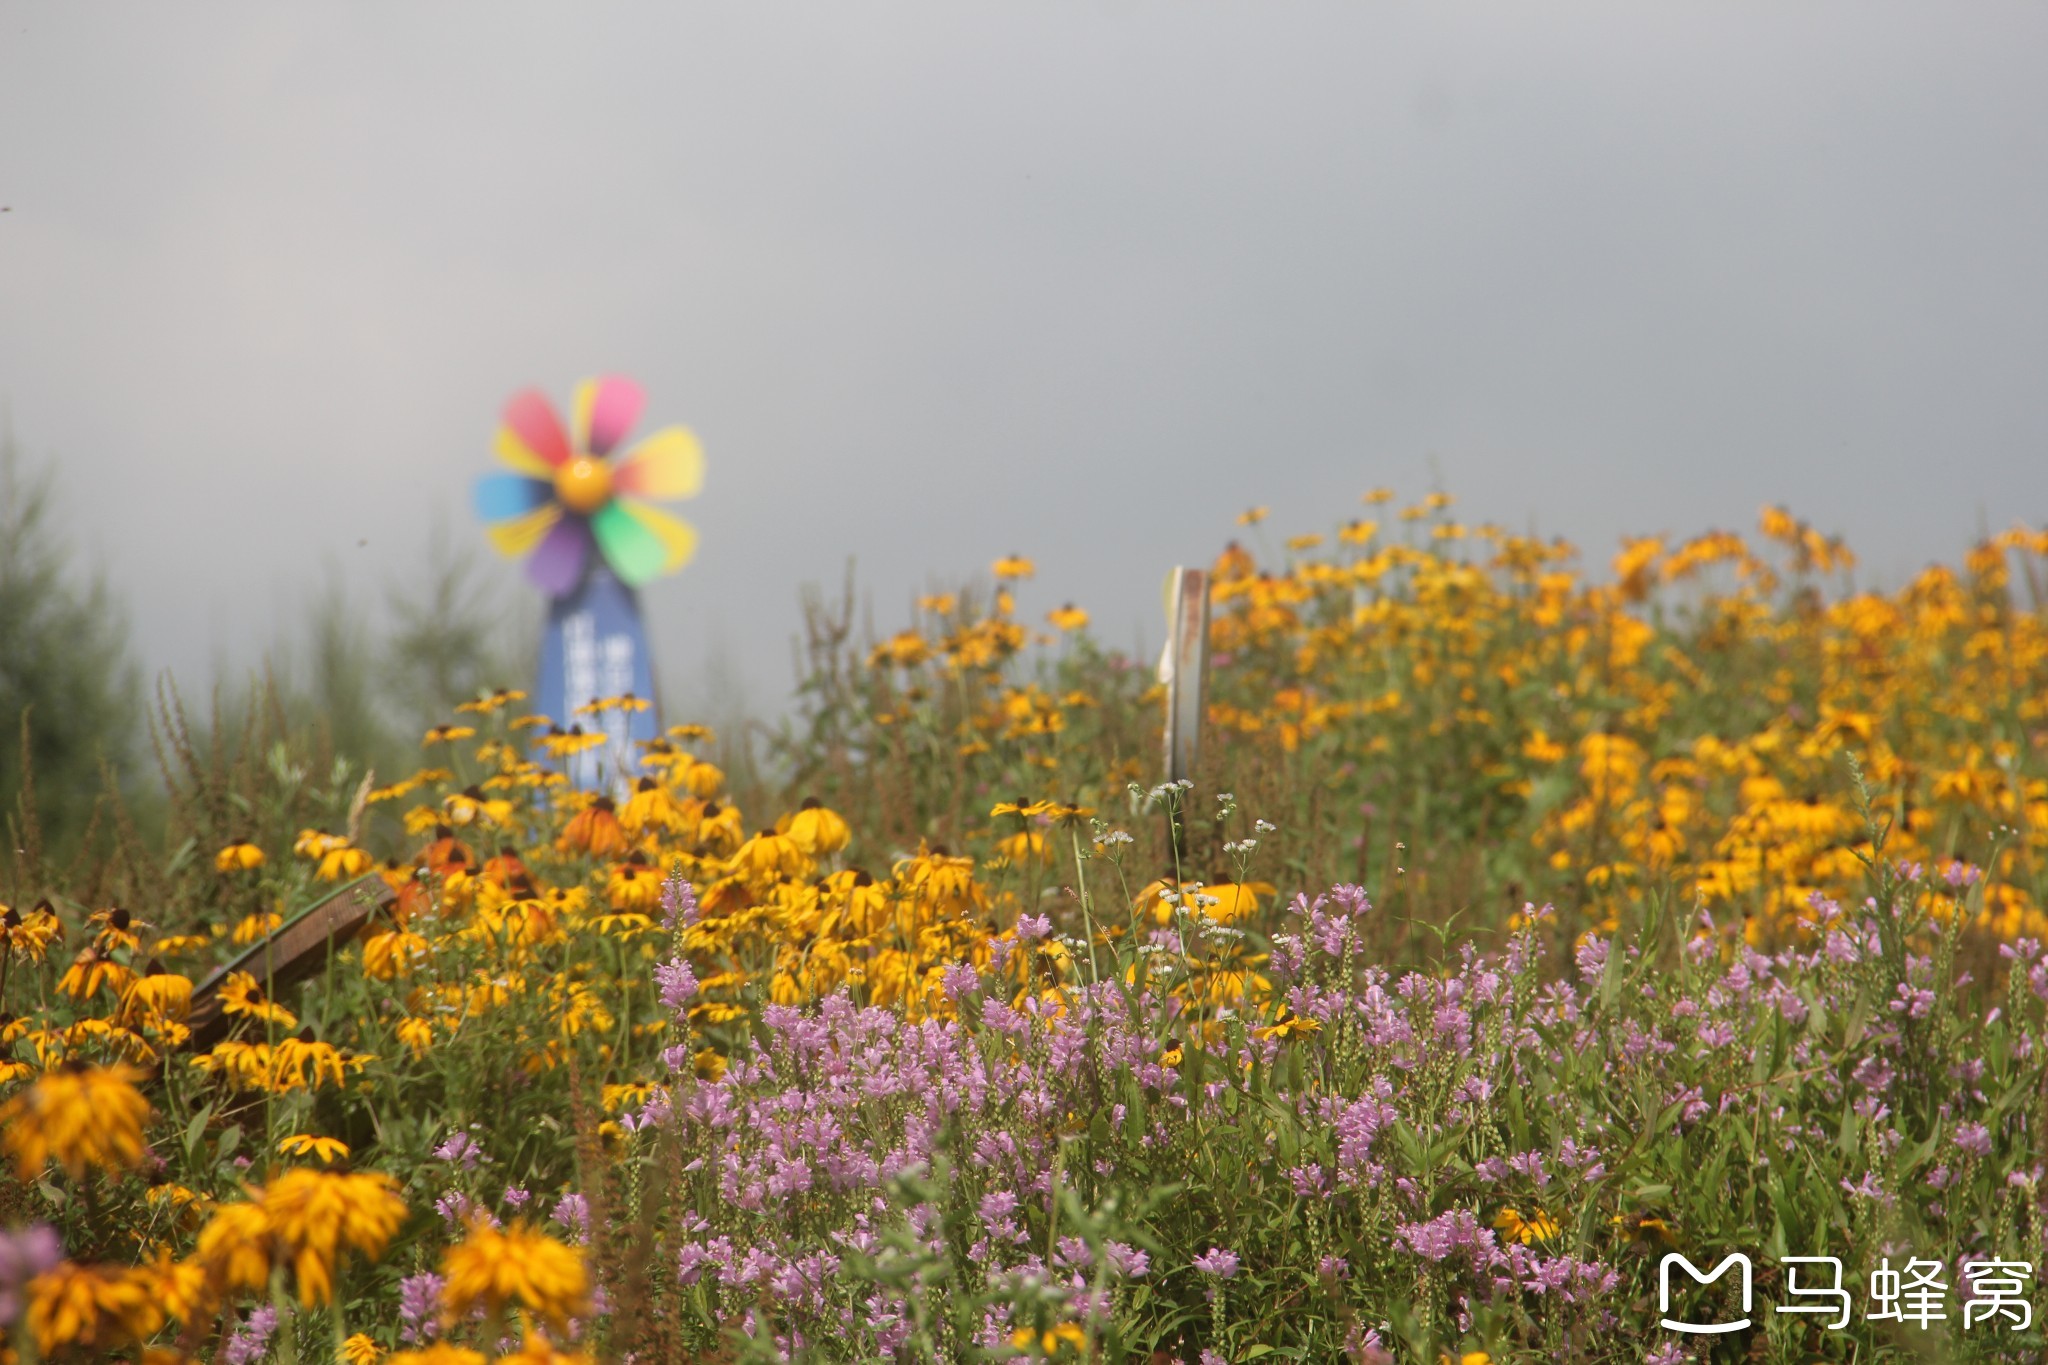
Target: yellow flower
558, 743
1252, 516
360, 1349
338, 864
498, 699
1375, 496
239, 857
30, 934
91, 970
311, 843
1067, 617
470, 804
818, 830
315, 1215
516, 1266
326, 1149
234, 1249
594, 830
440, 1353
252, 927
100, 1307
416, 1034
158, 995
1021, 808
1067, 1334
79, 1116
633, 888
1537, 1227
447, 734
242, 994
538, 1350
768, 856
1012, 567
652, 806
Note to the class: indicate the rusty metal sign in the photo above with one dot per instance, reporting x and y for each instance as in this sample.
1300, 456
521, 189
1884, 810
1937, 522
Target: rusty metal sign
1184, 667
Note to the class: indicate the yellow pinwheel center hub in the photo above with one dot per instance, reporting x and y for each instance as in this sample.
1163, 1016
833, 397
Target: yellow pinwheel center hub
584, 484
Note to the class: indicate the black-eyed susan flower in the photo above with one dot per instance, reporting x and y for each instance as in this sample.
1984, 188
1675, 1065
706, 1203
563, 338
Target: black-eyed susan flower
769, 856
594, 830
116, 930
235, 1249
652, 807
1067, 1338
78, 1116
447, 734
559, 743
633, 887
242, 995
325, 1150
417, 1035
470, 805
1067, 617
817, 829
95, 1307
317, 1215
241, 856
518, 1267
1536, 1226
1252, 516
30, 935
1027, 810
91, 972
1011, 568
254, 926
497, 699
159, 994
438, 1353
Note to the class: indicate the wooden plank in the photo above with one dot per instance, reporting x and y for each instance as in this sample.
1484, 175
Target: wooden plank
1184, 670
294, 950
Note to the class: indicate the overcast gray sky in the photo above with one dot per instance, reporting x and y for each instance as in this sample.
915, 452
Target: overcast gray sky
939, 281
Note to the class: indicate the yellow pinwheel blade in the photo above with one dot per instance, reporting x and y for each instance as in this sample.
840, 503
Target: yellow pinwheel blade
668, 464
516, 538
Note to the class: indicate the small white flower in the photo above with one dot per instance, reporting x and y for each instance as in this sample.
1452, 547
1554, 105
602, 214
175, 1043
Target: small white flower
1264, 827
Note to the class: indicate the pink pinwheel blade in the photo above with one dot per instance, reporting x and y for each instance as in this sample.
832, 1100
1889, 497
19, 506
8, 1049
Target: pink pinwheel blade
557, 565
605, 411
531, 418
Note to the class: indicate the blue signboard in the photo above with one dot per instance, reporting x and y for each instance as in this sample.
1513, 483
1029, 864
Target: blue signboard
593, 649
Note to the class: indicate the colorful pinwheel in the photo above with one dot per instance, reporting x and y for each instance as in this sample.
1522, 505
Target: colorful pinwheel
570, 495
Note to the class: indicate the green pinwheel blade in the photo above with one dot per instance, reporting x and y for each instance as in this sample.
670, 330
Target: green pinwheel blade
635, 553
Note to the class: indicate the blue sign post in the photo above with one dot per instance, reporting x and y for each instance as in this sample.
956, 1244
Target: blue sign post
595, 648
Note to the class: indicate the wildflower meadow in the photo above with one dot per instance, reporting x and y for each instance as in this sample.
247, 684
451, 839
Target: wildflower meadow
1536, 934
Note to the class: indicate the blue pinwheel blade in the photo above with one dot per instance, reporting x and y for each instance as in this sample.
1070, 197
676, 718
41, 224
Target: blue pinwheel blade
501, 497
